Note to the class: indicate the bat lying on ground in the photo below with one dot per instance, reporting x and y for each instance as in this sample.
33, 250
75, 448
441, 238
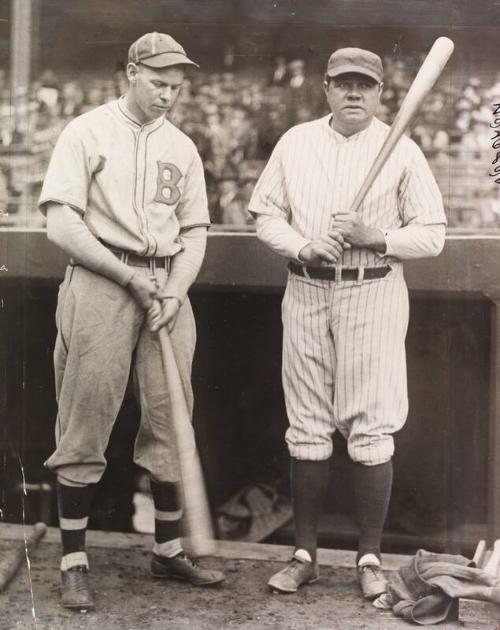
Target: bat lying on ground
13, 558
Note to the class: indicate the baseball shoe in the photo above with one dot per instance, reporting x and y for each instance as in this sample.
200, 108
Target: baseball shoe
75, 590
371, 577
181, 567
301, 570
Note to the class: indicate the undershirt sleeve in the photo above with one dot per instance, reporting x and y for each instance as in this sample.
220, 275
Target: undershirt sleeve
186, 264
415, 241
278, 234
67, 229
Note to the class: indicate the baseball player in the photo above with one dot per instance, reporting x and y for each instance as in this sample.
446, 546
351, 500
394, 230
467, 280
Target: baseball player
124, 196
345, 308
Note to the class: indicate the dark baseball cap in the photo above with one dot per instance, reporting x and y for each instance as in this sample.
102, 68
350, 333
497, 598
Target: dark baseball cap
357, 60
158, 50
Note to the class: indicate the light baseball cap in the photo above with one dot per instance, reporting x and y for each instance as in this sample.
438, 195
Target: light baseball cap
356, 60
158, 50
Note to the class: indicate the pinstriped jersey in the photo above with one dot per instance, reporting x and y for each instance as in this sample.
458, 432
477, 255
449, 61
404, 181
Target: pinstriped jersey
135, 185
315, 172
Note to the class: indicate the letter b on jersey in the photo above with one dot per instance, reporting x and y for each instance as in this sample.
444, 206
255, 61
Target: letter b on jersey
167, 190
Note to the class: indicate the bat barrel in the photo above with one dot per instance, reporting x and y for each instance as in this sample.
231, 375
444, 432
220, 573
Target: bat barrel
13, 558
424, 81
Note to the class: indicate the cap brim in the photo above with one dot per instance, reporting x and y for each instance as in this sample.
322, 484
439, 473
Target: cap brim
167, 59
356, 69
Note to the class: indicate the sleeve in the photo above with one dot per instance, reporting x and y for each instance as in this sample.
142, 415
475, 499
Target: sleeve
68, 175
186, 264
270, 196
66, 228
415, 241
192, 210
280, 236
419, 197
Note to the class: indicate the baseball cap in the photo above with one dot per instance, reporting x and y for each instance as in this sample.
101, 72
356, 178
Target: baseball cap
357, 60
158, 50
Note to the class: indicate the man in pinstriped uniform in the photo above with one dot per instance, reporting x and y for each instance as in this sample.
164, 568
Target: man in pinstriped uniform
345, 308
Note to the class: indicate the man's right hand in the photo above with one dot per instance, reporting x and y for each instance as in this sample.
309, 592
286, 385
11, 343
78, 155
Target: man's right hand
326, 248
143, 290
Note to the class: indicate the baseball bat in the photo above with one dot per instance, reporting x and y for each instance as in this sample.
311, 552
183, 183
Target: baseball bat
428, 74
13, 558
199, 538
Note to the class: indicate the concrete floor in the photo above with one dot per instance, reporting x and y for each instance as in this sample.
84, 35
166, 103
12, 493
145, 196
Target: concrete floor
129, 599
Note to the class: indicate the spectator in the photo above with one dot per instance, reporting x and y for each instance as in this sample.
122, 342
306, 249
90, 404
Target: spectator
279, 74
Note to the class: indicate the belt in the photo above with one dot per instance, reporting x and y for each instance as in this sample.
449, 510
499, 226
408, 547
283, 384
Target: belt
339, 273
135, 260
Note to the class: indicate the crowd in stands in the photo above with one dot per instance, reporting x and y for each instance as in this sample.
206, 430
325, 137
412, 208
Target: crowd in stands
235, 118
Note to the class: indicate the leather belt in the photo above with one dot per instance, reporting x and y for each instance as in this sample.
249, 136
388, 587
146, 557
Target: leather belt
339, 273
135, 260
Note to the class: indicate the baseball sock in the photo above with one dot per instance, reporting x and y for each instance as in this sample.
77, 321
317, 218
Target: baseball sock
168, 514
73, 504
309, 482
372, 491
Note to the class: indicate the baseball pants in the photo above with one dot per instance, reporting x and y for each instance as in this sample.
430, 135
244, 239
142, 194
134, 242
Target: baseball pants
344, 365
102, 332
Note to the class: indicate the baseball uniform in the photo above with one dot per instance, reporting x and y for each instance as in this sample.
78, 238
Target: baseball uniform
343, 357
345, 309
125, 198
136, 187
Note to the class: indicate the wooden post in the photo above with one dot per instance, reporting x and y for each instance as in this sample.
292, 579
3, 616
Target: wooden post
20, 73
494, 427
20, 68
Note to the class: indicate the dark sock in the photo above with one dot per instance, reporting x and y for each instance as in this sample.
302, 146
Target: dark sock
74, 506
167, 516
309, 483
372, 490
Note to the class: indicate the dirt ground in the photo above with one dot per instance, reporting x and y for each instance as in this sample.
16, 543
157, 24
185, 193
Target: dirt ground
128, 598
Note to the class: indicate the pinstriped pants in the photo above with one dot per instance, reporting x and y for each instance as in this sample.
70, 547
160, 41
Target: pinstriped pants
344, 365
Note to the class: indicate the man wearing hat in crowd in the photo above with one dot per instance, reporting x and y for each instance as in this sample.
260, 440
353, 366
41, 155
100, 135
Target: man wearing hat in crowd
125, 198
345, 308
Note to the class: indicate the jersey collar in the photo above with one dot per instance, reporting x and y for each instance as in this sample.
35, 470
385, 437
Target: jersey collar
341, 138
127, 115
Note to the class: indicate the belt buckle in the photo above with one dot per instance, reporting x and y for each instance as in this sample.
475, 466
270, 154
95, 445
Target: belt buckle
338, 273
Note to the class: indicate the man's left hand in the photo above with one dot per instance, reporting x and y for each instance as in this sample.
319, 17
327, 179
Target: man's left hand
357, 233
163, 313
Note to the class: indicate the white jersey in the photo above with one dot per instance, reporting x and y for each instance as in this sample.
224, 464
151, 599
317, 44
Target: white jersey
315, 172
135, 185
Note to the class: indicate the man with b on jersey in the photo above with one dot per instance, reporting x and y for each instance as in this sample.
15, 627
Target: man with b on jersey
125, 197
345, 308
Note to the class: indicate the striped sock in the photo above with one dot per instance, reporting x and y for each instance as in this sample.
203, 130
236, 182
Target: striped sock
168, 515
74, 506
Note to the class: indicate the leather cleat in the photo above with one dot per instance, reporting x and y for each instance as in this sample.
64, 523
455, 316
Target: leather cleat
181, 567
371, 580
75, 590
299, 571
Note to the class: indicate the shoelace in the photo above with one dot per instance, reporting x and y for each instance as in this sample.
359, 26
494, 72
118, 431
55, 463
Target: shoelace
78, 579
375, 571
294, 566
188, 560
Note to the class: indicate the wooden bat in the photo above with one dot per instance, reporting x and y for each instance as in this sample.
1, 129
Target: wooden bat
13, 558
199, 539
426, 77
